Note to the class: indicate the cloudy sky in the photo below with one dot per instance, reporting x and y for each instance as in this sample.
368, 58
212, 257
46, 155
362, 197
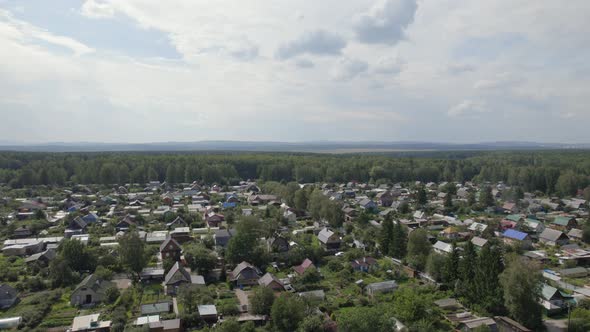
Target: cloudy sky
285, 70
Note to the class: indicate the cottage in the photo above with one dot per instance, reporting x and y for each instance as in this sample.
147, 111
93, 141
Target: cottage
307, 264
368, 204
222, 236
245, 274
270, 281
178, 222
381, 287
277, 244
178, 276
208, 313
553, 299
126, 223
553, 237
442, 248
506, 324
575, 234
479, 242
91, 291
385, 198
511, 237
170, 249
8, 296
21, 232
23, 248
152, 274
329, 240
476, 324
477, 227
214, 219
364, 264
76, 226
564, 223
42, 259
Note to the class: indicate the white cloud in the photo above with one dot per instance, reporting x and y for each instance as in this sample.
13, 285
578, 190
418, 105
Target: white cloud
347, 69
317, 42
386, 21
467, 107
243, 61
97, 9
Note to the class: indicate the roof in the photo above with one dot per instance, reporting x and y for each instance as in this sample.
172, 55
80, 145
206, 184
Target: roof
82, 323
478, 241
324, 235
514, 234
95, 283
207, 310
301, 268
551, 234
561, 220
177, 268
169, 240
152, 308
575, 232
514, 217
444, 303
383, 285
267, 279
443, 246
241, 267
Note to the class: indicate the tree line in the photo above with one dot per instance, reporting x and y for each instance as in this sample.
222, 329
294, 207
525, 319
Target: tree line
560, 172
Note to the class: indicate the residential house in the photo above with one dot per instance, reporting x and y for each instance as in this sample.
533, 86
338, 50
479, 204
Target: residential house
381, 287
450, 233
553, 299
533, 226
511, 237
214, 219
510, 207
23, 248
245, 274
91, 218
574, 272
477, 228
181, 234
42, 258
170, 249
575, 234
307, 264
479, 242
385, 198
564, 223
270, 281
178, 276
553, 237
126, 223
222, 236
329, 240
208, 313
152, 274
76, 226
277, 243
91, 291
178, 222
8, 296
364, 264
442, 248
21, 232
368, 204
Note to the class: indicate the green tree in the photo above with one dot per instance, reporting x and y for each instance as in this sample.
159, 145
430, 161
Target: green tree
199, 258
451, 270
418, 248
312, 323
399, 241
132, 253
287, 312
364, 319
386, 235
522, 282
435, 265
467, 273
262, 300
422, 199
490, 295
485, 196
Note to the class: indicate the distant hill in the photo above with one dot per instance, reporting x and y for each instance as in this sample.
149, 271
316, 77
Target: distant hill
313, 146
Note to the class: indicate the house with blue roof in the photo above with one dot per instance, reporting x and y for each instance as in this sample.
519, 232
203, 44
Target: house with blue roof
514, 237
228, 205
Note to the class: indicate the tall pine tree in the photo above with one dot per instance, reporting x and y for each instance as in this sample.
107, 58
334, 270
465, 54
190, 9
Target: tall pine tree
399, 241
490, 295
386, 236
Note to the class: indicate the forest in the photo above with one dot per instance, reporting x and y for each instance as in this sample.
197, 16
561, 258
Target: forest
560, 172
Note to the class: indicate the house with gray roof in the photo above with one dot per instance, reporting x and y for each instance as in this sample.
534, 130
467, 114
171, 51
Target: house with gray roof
553, 237
91, 291
329, 240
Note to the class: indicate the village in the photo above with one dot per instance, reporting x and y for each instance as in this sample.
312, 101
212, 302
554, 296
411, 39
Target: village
219, 257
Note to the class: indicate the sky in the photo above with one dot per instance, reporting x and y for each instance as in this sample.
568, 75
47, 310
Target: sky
456, 71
